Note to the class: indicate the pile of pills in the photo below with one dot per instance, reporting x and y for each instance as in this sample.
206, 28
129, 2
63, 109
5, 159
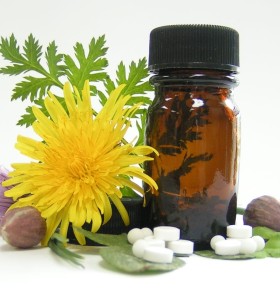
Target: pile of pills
239, 241
158, 245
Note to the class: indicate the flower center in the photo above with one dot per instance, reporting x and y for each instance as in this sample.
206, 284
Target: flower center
81, 169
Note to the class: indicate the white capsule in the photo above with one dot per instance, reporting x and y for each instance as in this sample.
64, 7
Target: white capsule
215, 239
134, 235
158, 254
259, 241
227, 247
239, 231
167, 233
181, 247
248, 246
146, 232
140, 245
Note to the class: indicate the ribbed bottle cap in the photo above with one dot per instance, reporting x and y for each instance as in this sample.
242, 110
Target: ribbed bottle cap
194, 46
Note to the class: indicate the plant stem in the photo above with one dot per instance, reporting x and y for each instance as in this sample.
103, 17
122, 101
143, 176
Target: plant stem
240, 210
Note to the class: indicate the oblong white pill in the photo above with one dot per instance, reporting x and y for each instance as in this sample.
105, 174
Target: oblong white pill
167, 233
181, 247
260, 242
134, 234
215, 239
146, 232
239, 231
158, 254
227, 247
248, 246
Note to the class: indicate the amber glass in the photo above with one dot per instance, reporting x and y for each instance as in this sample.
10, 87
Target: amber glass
194, 124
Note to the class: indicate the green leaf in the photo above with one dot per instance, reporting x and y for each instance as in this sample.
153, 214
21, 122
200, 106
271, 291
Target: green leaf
28, 118
104, 239
57, 245
31, 88
141, 126
273, 252
32, 51
273, 242
136, 83
9, 49
212, 254
128, 192
123, 259
54, 61
89, 66
265, 232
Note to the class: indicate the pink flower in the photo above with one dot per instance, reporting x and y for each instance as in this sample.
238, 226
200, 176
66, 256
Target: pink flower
5, 202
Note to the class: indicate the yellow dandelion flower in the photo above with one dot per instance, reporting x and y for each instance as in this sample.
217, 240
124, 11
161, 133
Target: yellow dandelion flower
80, 165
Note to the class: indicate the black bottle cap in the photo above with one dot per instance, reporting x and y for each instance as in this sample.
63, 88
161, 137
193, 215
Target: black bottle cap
194, 46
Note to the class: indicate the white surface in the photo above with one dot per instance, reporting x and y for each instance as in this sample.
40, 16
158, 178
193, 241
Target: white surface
38, 274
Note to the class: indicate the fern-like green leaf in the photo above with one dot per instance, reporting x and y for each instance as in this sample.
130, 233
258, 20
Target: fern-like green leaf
10, 51
88, 67
32, 51
28, 118
31, 88
54, 61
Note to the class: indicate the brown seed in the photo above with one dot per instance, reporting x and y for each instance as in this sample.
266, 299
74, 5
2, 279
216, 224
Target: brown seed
23, 227
263, 211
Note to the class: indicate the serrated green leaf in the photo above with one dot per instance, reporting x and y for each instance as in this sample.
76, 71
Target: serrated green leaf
123, 259
14, 69
88, 65
121, 73
31, 88
29, 118
32, 51
141, 126
54, 61
134, 82
9, 49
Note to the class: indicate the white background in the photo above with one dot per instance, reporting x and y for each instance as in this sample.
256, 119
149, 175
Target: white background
127, 25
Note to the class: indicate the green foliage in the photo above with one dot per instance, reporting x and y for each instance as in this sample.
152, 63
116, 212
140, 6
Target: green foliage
88, 67
57, 244
41, 76
29, 61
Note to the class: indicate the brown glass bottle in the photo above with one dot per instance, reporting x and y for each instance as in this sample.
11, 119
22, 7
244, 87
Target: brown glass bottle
194, 124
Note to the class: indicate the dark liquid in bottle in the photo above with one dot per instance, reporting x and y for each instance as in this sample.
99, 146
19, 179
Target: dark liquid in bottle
196, 131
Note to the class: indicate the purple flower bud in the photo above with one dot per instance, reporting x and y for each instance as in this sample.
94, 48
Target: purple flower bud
5, 202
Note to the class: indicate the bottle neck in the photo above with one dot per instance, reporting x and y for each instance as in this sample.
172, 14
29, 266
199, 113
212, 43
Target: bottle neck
195, 77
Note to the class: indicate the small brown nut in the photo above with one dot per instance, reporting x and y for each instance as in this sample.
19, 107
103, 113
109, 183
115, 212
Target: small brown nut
263, 211
23, 227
